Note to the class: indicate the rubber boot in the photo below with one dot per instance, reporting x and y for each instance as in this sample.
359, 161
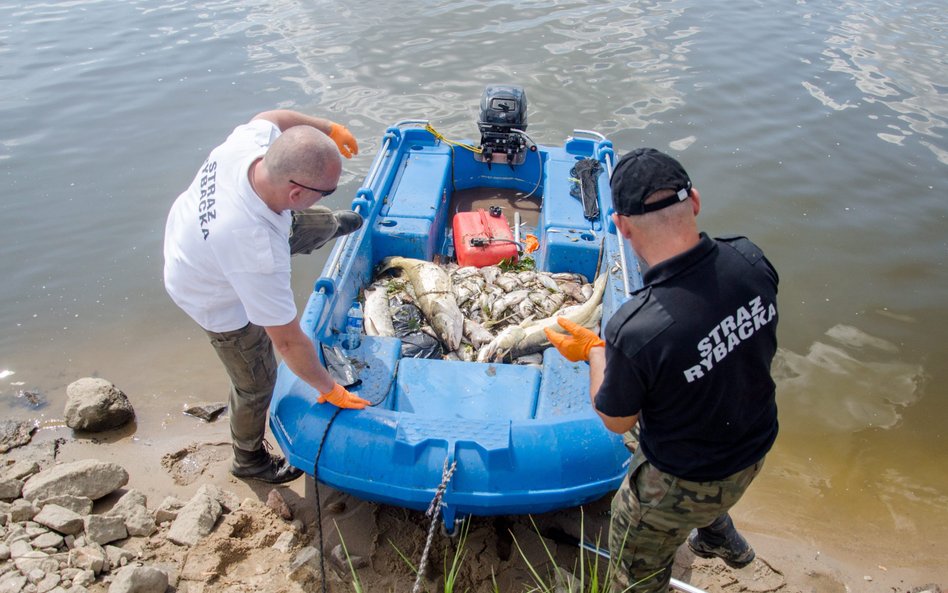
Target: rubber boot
721, 540
261, 465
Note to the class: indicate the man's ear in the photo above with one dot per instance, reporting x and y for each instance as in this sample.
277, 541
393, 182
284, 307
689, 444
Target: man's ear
621, 224
695, 201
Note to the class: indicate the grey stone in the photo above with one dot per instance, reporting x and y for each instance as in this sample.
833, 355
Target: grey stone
131, 499
228, 500
20, 548
77, 504
12, 583
22, 469
87, 558
285, 542
47, 540
195, 520
15, 433
21, 510
60, 519
10, 488
168, 509
95, 405
89, 477
102, 529
4, 552
84, 579
139, 522
48, 583
304, 568
139, 579
35, 560
118, 556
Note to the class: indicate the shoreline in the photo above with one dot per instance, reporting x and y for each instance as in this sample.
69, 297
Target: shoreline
179, 465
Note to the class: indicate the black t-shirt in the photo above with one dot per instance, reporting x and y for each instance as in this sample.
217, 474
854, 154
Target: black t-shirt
691, 353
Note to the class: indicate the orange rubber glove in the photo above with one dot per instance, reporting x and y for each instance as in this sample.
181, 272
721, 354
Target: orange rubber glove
576, 346
344, 139
340, 397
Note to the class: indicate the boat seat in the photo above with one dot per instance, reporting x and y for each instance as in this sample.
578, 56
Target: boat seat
415, 206
569, 243
565, 387
476, 391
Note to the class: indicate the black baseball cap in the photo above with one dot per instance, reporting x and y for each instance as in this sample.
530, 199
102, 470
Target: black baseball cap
641, 173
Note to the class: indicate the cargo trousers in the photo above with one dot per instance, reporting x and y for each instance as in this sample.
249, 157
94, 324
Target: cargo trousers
652, 514
247, 353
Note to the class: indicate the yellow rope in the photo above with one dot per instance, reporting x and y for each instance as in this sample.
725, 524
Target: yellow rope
436, 134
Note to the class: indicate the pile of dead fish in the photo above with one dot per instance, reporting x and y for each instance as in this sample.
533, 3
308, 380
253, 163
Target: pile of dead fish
483, 314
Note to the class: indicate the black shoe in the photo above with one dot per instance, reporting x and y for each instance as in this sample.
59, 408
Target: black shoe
348, 221
721, 540
262, 466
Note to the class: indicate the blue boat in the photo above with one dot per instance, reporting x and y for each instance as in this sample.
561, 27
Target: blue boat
524, 438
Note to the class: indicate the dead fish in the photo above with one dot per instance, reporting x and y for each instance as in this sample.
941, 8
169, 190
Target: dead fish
506, 302
508, 281
377, 313
490, 273
433, 294
548, 283
587, 315
476, 333
500, 346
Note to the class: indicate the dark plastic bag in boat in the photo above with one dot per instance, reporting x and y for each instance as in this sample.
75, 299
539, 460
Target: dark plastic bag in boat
340, 368
407, 320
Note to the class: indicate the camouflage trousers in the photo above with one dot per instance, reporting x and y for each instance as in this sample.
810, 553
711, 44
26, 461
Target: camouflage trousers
247, 353
652, 514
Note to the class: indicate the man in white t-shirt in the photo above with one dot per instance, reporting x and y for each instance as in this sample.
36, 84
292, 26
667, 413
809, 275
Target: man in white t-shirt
228, 242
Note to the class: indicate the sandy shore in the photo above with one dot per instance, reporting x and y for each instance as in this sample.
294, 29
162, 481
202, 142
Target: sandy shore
382, 540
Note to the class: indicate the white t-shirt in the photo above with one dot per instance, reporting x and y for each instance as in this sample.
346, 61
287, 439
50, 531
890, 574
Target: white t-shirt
227, 255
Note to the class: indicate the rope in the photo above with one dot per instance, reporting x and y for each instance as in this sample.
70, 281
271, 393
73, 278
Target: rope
432, 513
439, 136
319, 505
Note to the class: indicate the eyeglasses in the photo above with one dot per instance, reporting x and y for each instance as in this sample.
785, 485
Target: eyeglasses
325, 192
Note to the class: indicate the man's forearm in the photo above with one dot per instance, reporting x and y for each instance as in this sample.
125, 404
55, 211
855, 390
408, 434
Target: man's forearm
287, 118
299, 353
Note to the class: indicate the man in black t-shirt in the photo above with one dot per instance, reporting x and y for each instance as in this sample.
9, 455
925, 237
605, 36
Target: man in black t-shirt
687, 359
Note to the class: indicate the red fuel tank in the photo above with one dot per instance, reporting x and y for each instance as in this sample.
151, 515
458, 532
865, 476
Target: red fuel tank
482, 240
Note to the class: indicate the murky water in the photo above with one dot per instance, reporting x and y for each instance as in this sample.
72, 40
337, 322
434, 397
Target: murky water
818, 129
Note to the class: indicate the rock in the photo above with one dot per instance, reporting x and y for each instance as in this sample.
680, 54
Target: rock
102, 529
4, 552
129, 500
195, 520
95, 405
48, 582
275, 501
47, 540
10, 488
78, 504
304, 569
342, 561
139, 579
21, 470
207, 412
168, 509
90, 478
59, 519
20, 548
21, 510
87, 558
228, 500
118, 556
85, 578
139, 522
15, 433
285, 542
12, 583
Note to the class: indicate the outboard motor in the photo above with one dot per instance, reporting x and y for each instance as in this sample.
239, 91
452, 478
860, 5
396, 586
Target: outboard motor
502, 123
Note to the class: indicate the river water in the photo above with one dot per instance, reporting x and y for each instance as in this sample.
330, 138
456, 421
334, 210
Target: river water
816, 128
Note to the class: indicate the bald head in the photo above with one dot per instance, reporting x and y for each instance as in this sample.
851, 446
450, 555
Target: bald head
305, 154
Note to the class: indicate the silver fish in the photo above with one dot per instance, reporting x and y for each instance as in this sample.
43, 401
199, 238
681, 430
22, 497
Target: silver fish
433, 294
377, 313
476, 333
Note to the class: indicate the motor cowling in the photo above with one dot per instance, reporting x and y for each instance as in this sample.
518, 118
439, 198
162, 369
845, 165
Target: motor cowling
503, 119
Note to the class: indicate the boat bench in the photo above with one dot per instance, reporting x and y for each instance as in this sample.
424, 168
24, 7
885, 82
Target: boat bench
410, 221
569, 244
